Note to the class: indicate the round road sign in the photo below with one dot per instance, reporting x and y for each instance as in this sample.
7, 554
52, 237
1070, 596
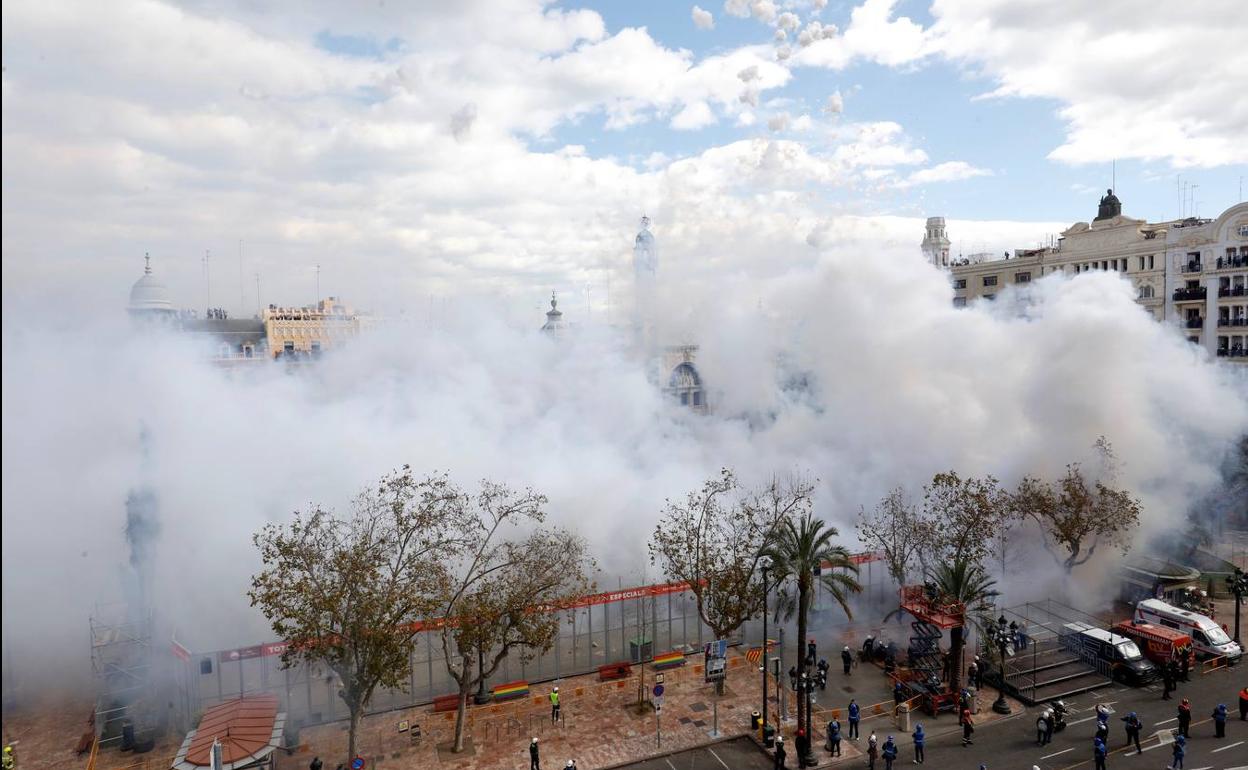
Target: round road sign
658, 691
357, 763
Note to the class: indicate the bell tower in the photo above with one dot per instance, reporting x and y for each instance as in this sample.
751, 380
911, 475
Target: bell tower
936, 243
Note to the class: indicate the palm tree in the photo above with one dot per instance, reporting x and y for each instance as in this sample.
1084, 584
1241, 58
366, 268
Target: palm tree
802, 552
965, 582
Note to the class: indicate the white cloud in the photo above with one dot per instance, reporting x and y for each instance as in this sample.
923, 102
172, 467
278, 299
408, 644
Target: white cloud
702, 19
835, 104
748, 74
694, 116
1126, 80
881, 143
763, 10
788, 21
950, 171
738, 8
462, 120
778, 122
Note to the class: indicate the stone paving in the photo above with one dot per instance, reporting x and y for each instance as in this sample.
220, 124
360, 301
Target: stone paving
598, 729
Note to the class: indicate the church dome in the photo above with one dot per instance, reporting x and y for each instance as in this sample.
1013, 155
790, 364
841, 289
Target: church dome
149, 295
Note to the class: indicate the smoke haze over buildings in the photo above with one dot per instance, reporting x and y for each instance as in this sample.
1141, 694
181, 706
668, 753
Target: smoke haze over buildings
846, 362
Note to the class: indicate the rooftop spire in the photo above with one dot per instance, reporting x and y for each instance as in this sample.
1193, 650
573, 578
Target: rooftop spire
147, 263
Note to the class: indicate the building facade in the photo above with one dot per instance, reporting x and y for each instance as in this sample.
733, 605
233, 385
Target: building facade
1190, 273
309, 331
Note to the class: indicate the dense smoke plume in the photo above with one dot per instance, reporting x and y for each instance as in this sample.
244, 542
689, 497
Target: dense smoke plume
855, 369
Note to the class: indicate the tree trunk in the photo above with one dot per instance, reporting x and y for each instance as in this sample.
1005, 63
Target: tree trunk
355, 709
801, 651
955, 659
465, 689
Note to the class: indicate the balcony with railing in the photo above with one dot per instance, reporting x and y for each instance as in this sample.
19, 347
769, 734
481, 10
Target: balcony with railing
1196, 323
1193, 267
1189, 295
1235, 352
1226, 263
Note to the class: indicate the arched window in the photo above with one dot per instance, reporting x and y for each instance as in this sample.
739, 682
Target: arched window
684, 377
1146, 292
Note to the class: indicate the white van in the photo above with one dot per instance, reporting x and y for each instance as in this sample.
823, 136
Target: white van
1207, 637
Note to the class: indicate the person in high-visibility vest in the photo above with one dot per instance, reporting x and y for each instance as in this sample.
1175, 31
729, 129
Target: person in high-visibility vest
9, 761
554, 705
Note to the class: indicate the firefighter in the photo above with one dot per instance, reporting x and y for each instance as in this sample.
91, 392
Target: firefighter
968, 727
1243, 704
554, 705
1185, 717
1219, 721
9, 760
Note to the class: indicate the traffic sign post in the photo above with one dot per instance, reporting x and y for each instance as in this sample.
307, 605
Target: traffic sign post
657, 700
357, 763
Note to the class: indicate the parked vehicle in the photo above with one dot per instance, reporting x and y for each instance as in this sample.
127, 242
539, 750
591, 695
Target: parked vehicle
1158, 643
1208, 638
1118, 654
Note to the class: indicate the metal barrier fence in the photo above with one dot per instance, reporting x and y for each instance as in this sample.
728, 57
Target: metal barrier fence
630, 624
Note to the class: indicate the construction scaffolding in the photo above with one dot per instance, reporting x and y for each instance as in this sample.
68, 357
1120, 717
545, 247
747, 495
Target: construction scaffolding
121, 660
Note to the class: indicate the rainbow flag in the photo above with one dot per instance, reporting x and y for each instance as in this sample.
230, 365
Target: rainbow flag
669, 660
511, 690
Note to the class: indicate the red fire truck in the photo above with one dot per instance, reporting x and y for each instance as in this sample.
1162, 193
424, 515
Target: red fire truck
1158, 643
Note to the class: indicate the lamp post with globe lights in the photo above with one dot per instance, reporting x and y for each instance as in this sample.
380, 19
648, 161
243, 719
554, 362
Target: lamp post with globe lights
1001, 635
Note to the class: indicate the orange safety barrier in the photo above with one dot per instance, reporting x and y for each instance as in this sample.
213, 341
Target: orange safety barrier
1213, 664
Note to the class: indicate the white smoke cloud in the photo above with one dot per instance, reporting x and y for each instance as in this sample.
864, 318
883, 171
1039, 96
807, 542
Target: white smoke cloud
899, 385
702, 19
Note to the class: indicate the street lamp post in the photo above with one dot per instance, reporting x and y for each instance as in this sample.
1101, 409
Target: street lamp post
1238, 585
765, 564
1002, 635
810, 736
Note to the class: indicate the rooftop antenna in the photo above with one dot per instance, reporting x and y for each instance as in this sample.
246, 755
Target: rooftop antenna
242, 299
259, 305
207, 279
318, 284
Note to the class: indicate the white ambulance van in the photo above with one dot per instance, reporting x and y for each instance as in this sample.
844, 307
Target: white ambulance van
1207, 637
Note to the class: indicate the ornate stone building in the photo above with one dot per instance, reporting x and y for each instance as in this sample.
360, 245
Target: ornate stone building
1190, 272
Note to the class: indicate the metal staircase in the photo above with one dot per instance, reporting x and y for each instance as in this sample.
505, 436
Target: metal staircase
926, 661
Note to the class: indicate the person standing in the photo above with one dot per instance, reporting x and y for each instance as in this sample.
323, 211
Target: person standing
1185, 717
554, 705
1098, 753
1167, 681
853, 719
919, 739
872, 752
1180, 748
1184, 662
1044, 727
780, 752
971, 671
1133, 725
535, 762
1219, 721
811, 657
968, 727
889, 753
316, 764
899, 693
1243, 704
834, 738
801, 744
847, 660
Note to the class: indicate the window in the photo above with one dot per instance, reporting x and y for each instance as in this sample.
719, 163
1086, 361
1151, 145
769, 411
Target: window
1022, 277
1243, 231
990, 280
1194, 340
1146, 292
697, 398
959, 301
288, 347
1141, 263
1150, 261
990, 296
960, 283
